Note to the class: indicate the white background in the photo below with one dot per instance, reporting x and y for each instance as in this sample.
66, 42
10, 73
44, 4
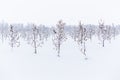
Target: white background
50, 11
22, 64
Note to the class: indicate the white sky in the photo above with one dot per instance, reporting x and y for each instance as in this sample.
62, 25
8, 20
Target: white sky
50, 11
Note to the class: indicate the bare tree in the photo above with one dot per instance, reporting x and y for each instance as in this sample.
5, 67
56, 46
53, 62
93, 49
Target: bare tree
90, 31
114, 31
81, 37
3, 31
59, 36
102, 32
36, 37
34, 29
14, 37
109, 33
35, 41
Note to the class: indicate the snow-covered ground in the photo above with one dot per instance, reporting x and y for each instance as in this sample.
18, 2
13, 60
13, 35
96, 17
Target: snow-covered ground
22, 64
34, 21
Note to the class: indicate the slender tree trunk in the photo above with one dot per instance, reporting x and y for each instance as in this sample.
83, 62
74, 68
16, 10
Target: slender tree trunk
34, 41
59, 48
103, 43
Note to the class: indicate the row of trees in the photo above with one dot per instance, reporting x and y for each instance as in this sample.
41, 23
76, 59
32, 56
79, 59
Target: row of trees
36, 35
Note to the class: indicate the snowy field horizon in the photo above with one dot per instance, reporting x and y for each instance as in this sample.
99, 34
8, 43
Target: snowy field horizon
36, 34
60, 52
59, 39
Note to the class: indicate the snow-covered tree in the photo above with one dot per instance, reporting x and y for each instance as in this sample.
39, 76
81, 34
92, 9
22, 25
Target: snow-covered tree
103, 32
81, 37
59, 36
35, 37
13, 37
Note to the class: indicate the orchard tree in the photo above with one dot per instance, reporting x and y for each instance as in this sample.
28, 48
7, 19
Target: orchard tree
36, 37
102, 34
81, 38
14, 37
59, 36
